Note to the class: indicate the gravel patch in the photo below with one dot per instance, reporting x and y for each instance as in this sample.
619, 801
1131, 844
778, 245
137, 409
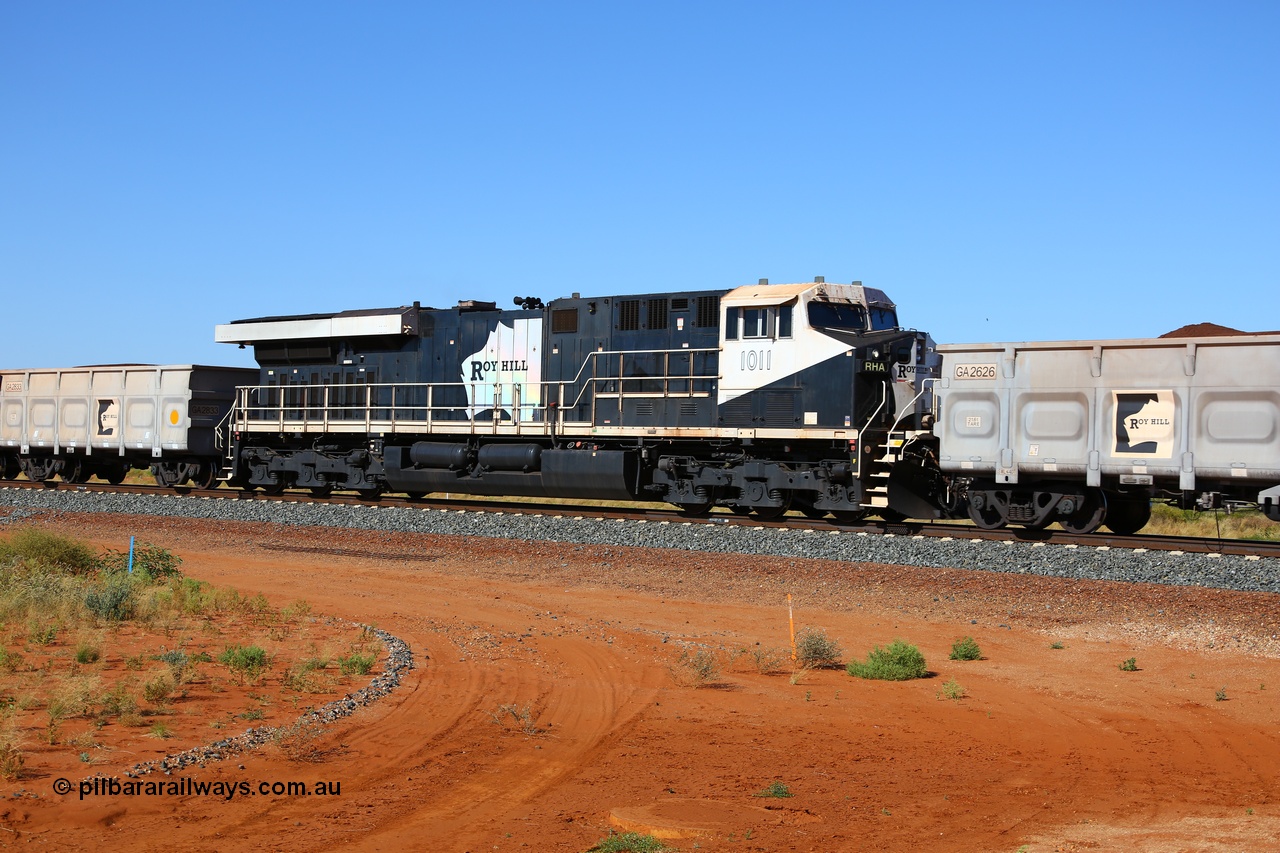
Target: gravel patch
1045, 559
399, 660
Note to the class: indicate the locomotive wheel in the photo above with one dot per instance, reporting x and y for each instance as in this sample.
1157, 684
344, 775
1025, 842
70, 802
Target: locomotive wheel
1126, 515
73, 471
321, 491
891, 515
373, 494
769, 513
274, 489
740, 510
1090, 517
987, 517
695, 510
415, 496
808, 510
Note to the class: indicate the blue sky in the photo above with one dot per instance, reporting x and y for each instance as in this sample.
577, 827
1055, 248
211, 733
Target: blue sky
1019, 171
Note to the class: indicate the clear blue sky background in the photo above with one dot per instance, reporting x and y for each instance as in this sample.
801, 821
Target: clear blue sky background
1005, 171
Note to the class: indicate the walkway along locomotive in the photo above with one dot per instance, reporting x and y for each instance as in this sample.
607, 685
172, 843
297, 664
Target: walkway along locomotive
759, 399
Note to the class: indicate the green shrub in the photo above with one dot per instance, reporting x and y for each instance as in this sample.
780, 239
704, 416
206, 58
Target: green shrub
356, 663
695, 670
35, 548
952, 690
768, 659
628, 842
302, 676
42, 633
900, 661
87, 652
815, 650
245, 660
775, 789
117, 702
150, 562
965, 649
11, 760
111, 599
1130, 665
158, 690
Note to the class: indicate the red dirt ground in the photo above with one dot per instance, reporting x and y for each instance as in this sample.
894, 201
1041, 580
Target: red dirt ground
1049, 750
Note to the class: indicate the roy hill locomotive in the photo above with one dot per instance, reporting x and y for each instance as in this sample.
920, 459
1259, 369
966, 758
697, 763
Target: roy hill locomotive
759, 399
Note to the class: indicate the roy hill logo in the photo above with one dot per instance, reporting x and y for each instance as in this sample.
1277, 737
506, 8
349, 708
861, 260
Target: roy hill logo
108, 417
1144, 424
509, 360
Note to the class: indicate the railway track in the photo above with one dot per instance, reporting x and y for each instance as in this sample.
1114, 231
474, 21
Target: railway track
936, 530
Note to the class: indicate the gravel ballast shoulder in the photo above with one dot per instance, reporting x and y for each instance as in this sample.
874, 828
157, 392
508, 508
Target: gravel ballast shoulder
1046, 559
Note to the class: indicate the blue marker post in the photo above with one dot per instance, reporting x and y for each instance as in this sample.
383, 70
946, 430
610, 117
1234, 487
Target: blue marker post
130, 555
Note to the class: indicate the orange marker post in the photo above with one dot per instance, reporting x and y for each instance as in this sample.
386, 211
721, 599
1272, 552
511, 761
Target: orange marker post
791, 618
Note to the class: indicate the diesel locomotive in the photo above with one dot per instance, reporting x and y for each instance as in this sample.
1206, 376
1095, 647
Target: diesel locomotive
759, 399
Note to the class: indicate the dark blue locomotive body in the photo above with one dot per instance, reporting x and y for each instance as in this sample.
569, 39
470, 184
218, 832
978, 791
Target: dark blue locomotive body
752, 398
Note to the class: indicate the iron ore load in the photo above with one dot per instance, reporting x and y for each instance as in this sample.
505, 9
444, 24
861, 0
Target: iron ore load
758, 399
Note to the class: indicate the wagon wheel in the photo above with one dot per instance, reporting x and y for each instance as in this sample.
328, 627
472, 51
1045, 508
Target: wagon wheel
1090, 516
9, 468
987, 517
169, 474
73, 471
115, 474
37, 469
1127, 515
206, 476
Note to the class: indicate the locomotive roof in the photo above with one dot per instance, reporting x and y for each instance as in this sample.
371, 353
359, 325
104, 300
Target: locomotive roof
368, 322
776, 294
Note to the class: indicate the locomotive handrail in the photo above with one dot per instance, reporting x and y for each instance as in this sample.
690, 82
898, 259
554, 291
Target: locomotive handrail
865, 427
909, 406
276, 401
